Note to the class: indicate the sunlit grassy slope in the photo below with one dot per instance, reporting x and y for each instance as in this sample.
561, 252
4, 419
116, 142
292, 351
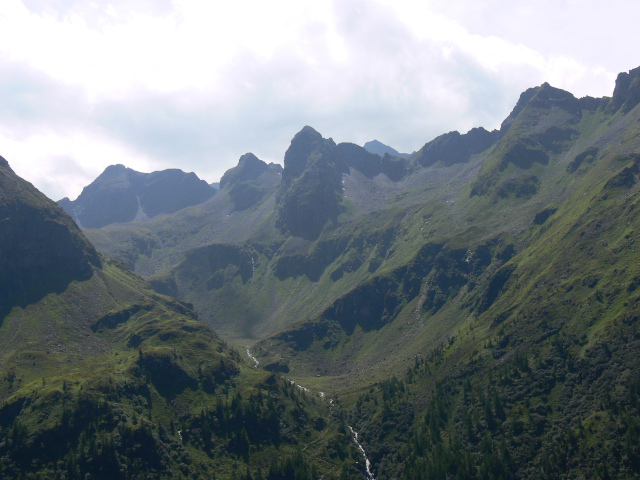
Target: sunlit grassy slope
477, 318
101, 377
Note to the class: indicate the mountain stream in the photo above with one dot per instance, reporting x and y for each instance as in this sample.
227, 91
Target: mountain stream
255, 360
367, 463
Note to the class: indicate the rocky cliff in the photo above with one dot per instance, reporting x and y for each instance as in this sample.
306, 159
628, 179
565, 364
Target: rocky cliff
121, 194
41, 248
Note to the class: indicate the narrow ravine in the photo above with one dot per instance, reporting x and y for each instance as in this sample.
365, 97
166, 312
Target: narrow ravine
367, 463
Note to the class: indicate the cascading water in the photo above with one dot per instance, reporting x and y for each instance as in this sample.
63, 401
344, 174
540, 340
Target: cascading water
367, 463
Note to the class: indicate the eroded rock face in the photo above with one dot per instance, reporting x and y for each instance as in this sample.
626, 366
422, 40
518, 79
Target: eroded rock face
120, 194
545, 97
249, 167
626, 95
310, 194
453, 147
250, 181
306, 149
41, 248
311, 189
370, 164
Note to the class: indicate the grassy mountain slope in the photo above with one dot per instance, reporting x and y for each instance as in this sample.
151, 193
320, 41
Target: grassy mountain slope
499, 286
543, 383
450, 257
521, 352
347, 251
101, 377
249, 277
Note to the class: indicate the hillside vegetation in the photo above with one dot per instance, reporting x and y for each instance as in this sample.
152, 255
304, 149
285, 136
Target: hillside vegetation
101, 377
471, 310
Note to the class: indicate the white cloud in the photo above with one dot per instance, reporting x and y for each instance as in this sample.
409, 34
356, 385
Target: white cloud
70, 163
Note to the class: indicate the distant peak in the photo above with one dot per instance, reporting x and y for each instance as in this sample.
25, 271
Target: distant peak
275, 168
375, 146
307, 130
116, 168
377, 143
379, 148
306, 135
303, 143
249, 158
249, 167
544, 96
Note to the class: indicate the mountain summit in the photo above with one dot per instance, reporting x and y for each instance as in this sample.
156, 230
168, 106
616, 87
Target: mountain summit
379, 148
311, 189
121, 194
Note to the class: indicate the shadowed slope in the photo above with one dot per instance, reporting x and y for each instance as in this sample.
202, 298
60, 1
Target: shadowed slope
41, 248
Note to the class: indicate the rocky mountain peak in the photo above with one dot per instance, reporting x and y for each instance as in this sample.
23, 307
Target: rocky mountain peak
311, 190
626, 94
379, 148
249, 159
117, 168
299, 154
249, 167
121, 194
548, 96
545, 97
452, 147
307, 132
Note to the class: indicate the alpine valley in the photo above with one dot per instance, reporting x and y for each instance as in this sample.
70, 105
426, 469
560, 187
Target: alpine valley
471, 310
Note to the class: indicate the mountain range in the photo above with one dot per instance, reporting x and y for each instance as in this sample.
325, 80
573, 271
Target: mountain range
471, 309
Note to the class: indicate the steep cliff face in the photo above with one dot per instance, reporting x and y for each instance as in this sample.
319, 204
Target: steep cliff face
453, 147
626, 95
250, 181
249, 168
121, 194
311, 189
311, 192
41, 248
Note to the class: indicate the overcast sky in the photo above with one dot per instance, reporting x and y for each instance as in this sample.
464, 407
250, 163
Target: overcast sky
194, 84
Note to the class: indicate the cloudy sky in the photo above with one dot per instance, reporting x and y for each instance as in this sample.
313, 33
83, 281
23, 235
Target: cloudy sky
194, 84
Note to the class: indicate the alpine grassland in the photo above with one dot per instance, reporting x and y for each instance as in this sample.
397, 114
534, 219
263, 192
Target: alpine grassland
470, 310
